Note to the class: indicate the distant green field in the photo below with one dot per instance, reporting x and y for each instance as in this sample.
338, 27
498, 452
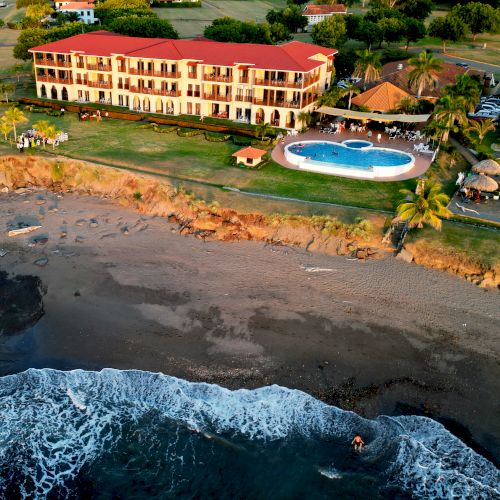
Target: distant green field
192, 22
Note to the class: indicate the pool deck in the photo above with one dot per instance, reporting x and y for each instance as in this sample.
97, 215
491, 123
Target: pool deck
422, 161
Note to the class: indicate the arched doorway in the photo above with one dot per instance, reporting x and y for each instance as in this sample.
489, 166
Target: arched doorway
137, 104
259, 116
170, 107
159, 105
53, 92
290, 120
145, 104
43, 91
64, 94
275, 118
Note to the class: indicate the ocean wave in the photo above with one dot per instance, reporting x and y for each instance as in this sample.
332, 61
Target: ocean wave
57, 426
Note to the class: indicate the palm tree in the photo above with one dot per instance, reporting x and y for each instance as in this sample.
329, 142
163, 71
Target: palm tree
367, 66
424, 206
448, 112
6, 89
481, 128
42, 127
425, 66
466, 87
15, 116
5, 128
407, 105
350, 89
263, 129
305, 118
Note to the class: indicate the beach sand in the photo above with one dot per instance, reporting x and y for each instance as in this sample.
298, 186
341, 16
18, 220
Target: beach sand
127, 291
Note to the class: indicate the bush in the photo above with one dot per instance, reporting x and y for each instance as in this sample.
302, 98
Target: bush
216, 137
390, 55
177, 5
188, 132
241, 141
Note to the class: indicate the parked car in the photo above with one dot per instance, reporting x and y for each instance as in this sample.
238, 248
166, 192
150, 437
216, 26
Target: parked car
462, 65
3, 4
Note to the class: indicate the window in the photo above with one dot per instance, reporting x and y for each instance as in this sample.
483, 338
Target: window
250, 161
120, 100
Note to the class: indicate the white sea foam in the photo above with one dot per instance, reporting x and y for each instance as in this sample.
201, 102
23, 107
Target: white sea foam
47, 427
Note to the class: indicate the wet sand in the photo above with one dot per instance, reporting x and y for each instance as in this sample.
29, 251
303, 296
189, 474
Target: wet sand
127, 291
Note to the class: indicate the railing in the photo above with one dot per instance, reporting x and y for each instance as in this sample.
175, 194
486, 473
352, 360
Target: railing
80, 65
148, 91
167, 74
193, 93
122, 69
98, 67
192, 75
218, 78
152, 72
80, 81
244, 79
99, 85
309, 100
329, 68
243, 98
124, 86
53, 62
277, 104
53, 79
299, 84
222, 114
217, 97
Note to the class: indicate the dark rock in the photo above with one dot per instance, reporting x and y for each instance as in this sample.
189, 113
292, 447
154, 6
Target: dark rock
41, 262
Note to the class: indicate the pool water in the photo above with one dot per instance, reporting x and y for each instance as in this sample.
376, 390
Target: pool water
353, 144
349, 156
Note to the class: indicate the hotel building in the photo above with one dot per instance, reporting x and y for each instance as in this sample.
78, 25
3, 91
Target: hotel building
246, 82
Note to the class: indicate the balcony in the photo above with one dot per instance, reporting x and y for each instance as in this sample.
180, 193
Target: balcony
80, 81
217, 97
193, 93
124, 86
299, 84
218, 78
151, 72
98, 67
53, 79
148, 91
193, 75
99, 85
80, 65
277, 104
243, 98
52, 62
244, 79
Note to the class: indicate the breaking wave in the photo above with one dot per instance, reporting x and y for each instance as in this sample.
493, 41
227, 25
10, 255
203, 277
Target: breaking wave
134, 433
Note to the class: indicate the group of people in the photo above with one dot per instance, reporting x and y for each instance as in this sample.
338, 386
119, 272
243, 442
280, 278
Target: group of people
32, 139
87, 115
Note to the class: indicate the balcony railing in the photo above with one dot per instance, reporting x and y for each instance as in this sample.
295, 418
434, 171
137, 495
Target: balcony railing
98, 67
192, 75
99, 85
193, 93
124, 86
244, 79
42, 61
81, 81
152, 72
218, 78
146, 90
53, 79
80, 65
217, 97
277, 104
243, 98
298, 84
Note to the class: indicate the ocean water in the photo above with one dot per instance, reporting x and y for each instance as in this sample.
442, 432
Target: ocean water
333, 152
134, 434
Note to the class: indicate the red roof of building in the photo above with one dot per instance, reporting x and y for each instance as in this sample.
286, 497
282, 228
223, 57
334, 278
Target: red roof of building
76, 6
318, 10
250, 152
292, 56
382, 97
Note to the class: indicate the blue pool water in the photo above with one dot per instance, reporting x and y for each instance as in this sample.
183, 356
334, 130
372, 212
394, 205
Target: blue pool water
353, 144
349, 157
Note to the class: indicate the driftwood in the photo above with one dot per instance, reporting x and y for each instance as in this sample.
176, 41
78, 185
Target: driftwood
23, 230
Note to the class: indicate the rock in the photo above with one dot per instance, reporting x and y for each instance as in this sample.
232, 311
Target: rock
361, 253
40, 202
93, 223
5, 189
124, 229
41, 262
63, 234
79, 239
80, 222
20, 190
3, 252
405, 255
77, 293
488, 283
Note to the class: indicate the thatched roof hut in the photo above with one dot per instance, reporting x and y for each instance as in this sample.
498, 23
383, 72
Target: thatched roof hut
481, 183
488, 167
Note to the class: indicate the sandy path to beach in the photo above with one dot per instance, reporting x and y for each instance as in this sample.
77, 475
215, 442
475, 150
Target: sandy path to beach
127, 291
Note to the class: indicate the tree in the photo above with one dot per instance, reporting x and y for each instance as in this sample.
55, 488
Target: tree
305, 118
415, 9
279, 33
227, 29
51, 133
449, 112
414, 30
14, 116
27, 40
393, 29
7, 89
2, 23
147, 27
449, 29
350, 89
481, 128
330, 32
293, 18
424, 206
330, 97
42, 127
425, 66
17, 69
109, 10
369, 33
479, 17
407, 105
263, 129
467, 88
5, 128
367, 66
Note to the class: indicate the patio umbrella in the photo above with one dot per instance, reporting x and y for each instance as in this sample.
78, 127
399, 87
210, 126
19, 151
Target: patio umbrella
489, 167
481, 183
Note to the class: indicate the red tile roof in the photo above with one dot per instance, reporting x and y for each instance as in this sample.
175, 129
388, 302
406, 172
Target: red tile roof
292, 56
383, 97
250, 152
318, 10
76, 6
397, 73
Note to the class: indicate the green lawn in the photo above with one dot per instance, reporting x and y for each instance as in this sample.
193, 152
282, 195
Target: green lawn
478, 244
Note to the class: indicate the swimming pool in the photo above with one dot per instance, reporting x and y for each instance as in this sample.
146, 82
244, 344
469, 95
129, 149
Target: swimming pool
352, 158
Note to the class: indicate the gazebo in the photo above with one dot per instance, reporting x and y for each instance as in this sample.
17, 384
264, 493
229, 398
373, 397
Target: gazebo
481, 183
249, 156
488, 167
381, 98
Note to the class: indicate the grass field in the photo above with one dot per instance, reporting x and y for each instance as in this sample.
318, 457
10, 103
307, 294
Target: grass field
192, 22
123, 144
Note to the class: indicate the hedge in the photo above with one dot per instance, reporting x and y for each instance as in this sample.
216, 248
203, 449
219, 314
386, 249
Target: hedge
216, 137
188, 132
177, 5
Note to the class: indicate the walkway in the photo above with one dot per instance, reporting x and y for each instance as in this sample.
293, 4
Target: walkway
422, 161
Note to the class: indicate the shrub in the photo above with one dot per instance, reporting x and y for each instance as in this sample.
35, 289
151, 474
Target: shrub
216, 137
137, 195
188, 132
177, 5
241, 141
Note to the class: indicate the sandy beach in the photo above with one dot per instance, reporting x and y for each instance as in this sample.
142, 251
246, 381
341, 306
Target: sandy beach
125, 290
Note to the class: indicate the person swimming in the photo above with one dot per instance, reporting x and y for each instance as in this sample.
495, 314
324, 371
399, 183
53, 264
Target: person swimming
357, 442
